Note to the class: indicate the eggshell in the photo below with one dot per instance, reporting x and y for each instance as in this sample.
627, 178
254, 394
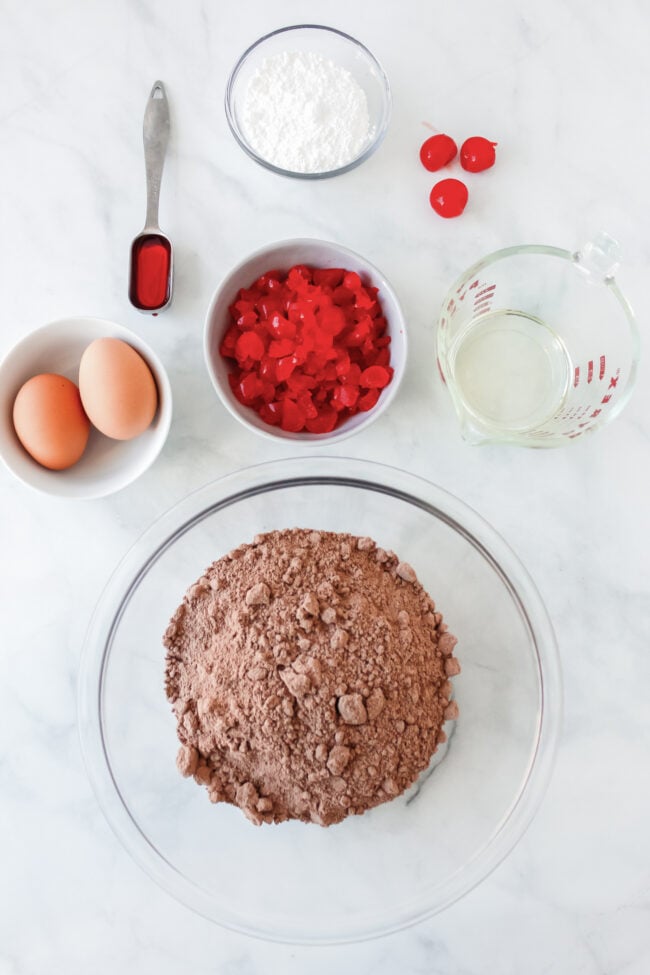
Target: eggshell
50, 422
117, 388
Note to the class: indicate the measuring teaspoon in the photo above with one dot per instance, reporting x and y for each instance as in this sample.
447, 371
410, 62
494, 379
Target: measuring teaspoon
150, 281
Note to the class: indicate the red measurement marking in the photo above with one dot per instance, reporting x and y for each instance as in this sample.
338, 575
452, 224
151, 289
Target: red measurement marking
601, 371
606, 398
571, 433
576, 376
590, 370
443, 322
485, 291
441, 372
462, 297
613, 382
596, 413
473, 285
482, 306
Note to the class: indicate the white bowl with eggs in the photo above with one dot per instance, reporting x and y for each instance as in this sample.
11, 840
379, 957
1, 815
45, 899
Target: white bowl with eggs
107, 464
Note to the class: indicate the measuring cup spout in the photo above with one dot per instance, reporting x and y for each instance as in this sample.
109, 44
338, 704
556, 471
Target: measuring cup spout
471, 433
599, 259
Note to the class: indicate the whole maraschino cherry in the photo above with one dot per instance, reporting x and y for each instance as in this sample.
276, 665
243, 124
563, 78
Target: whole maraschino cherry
437, 151
449, 197
477, 154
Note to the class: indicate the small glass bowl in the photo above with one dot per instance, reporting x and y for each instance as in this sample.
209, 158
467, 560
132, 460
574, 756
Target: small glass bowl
338, 47
403, 860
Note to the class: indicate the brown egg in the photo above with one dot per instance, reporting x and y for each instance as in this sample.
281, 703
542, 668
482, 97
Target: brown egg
50, 421
117, 388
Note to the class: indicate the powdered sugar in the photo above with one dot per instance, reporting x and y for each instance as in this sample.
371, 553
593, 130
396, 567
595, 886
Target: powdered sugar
304, 113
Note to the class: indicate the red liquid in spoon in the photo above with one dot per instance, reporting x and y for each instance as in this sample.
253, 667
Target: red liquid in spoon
150, 285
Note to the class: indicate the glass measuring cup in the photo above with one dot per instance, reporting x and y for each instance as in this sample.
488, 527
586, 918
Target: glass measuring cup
537, 345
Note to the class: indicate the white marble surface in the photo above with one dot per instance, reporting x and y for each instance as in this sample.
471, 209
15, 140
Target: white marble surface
563, 86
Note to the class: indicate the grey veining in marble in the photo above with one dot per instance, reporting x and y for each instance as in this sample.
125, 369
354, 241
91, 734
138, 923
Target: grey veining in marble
563, 87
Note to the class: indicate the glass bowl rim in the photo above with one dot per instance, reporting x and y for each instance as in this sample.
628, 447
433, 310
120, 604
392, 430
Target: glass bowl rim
372, 146
268, 476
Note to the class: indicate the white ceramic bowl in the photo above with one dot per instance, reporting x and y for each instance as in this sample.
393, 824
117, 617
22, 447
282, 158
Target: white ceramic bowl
281, 256
107, 465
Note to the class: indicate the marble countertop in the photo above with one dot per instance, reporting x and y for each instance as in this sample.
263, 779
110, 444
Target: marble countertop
563, 87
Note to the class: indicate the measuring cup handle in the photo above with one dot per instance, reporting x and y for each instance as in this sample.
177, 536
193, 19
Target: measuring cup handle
599, 258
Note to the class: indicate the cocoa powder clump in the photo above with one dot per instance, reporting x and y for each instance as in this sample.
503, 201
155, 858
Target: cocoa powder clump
309, 676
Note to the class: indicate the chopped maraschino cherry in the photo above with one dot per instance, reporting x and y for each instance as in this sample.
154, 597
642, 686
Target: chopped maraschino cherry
374, 377
437, 151
449, 197
249, 346
477, 154
307, 349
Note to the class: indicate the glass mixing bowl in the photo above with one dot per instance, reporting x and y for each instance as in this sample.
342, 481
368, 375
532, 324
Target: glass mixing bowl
400, 862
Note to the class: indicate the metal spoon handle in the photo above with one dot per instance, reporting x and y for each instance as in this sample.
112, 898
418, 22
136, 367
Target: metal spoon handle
156, 136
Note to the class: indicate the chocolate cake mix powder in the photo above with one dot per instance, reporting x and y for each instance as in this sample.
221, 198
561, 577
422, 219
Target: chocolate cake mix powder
309, 676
